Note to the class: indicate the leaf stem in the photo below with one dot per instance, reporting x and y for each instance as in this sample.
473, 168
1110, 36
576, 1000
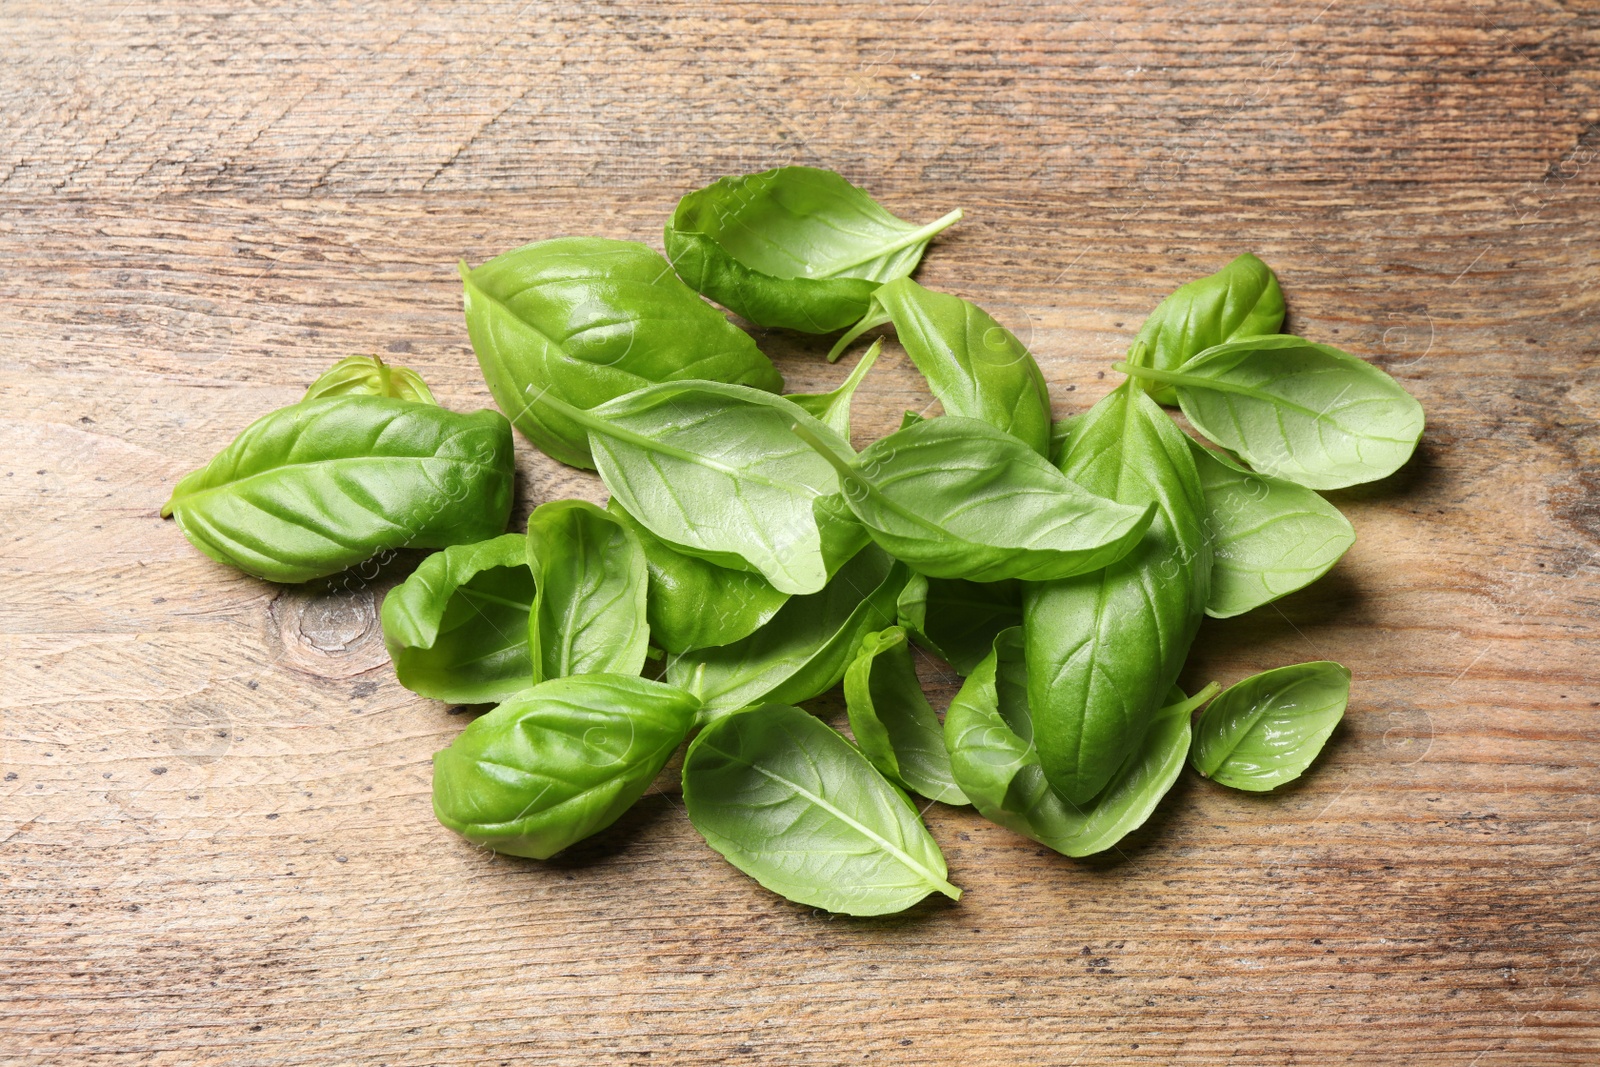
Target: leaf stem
868, 321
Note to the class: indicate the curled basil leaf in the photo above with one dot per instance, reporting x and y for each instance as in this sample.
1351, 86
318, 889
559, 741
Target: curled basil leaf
370, 376
324, 484
589, 614
1307, 413
588, 319
1267, 729
894, 725
558, 762
957, 620
795, 247
832, 409
792, 804
1240, 300
457, 628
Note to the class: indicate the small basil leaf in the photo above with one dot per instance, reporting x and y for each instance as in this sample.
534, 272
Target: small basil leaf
795, 247
1240, 300
957, 620
589, 616
957, 498
457, 628
911, 418
324, 484
833, 409
558, 762
894, 725
792, 804
1307, 413
370, 376
1269, 537
805, 649
1267, 729
589, 319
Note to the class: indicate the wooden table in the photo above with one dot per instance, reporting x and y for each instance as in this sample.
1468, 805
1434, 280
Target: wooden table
215, 837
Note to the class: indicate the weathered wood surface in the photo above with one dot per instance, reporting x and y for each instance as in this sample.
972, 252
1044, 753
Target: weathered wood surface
215, 837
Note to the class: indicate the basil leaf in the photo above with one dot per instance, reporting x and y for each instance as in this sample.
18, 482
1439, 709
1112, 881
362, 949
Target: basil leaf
833, 409
457, 628
894, 725
957, 498
589, 616
589, 319
804, 650
714, 471
1240, 300
976, 367
1104, 648
792, 804
1269, 537
558, 762
1267, 729
370, 376
911, 418
324, 484
957, 620
795, 247
1307, 413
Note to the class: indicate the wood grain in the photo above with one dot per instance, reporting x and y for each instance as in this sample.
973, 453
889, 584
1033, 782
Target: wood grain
214, 820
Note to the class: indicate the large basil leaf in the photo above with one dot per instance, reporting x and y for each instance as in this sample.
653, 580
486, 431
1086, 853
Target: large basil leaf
957, 620
832, 409
457, 628
957, 498
370, 376
894, 725
796, 247
1267, 729
589, 616
714, 471
804, 650
588, 319
989, 733
1269, 537
1104, 648
976, 367
1240, 300
1308, 413
324, 484
558, 762
793, 805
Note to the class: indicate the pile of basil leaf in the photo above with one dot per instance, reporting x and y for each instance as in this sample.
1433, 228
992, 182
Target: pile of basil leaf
750, 559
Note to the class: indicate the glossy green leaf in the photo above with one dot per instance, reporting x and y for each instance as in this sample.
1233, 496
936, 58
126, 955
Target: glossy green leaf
1269, 537
370, 376
911, 418
1267, 729
1307, 413
957, 620
795, 247
1240, 300
805, 649
894, 725
792, 804
1104, 648
588, 319
457, 628
324, 484
589, 616
957, 498
558, 762
832, 409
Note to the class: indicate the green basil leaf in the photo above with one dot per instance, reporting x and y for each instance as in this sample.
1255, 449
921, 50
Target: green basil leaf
1104, 648
795, 247
833, 409
559, 761
894, 725
457, 628
589, 616
957, 620
1307, 413
957, 498
324, 484
589, 319
693, 603
1240, 300
804, 650
370, 376
1269, 537
1267, 729
976, 367
911, 418
792, 804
